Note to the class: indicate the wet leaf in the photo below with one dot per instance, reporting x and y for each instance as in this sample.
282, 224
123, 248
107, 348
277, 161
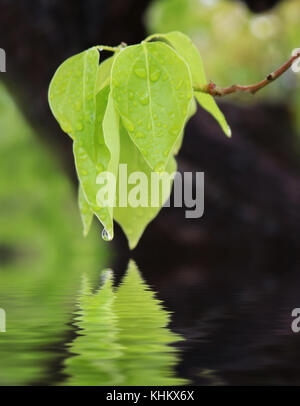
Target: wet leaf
184, 46
134, 220
88, 169
152, 89
146, 92
72, 96
74, 104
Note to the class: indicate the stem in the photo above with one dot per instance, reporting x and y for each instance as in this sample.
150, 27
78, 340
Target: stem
214, 90
111, 49
153, 36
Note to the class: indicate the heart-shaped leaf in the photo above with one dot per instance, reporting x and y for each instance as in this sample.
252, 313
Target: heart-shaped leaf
152, 89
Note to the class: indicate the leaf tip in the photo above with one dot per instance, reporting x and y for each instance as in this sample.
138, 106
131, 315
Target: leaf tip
228, 132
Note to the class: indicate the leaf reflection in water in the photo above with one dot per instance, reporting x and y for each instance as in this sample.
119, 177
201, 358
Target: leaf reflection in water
123, 336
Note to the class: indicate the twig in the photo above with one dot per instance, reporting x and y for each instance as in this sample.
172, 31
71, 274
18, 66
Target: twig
214, 90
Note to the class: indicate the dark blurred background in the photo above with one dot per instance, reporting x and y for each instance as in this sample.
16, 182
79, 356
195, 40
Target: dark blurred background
232, 277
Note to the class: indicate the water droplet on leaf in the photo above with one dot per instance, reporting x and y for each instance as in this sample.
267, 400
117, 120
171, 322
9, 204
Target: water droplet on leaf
144, 99
155, 75
128, 124
139, 134
179, 84
105, 235
159, 167
140, 72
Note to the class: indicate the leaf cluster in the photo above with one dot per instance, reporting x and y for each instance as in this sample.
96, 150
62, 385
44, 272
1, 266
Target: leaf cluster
129, 109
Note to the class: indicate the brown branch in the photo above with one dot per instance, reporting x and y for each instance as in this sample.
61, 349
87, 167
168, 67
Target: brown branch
214, 90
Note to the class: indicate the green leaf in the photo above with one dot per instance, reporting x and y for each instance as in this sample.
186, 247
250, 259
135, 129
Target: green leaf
134, 220
86, 212
184, 46
103, 75
152, 89
73, 102
112, 141
88, 169
72, 96
107, 145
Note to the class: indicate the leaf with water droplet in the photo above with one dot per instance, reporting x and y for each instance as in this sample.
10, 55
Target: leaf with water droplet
73, 101
72, 95
184, 46
112, 141
106, 141
134, 220
151, 71
79, 101
86, 165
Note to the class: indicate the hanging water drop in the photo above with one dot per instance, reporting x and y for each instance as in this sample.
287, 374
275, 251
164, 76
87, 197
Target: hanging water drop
105, 235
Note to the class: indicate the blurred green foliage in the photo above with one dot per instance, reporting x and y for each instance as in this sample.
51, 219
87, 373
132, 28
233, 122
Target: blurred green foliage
124, 339
237, 45
42, 252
